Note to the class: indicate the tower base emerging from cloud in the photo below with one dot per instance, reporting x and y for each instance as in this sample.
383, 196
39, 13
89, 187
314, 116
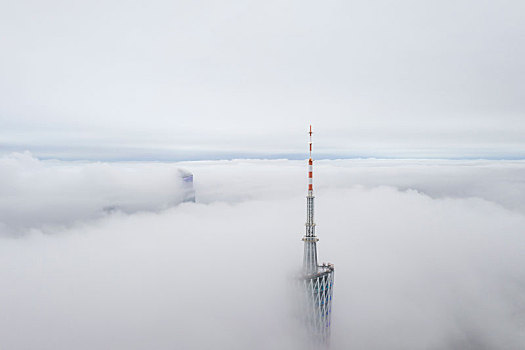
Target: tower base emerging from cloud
317, 305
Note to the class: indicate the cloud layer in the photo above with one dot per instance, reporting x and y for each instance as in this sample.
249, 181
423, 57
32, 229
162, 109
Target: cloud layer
419, 263
36, 193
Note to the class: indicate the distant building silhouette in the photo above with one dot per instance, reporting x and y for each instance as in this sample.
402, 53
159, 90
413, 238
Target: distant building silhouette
188, 192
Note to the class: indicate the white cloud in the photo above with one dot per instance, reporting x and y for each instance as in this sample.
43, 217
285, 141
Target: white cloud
35, 193
413, 270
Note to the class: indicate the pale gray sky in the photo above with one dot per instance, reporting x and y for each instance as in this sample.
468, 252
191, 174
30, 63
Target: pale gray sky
206, 79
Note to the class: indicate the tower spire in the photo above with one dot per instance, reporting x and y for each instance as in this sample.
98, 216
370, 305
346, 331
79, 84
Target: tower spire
318, 279
310, 239
310, 166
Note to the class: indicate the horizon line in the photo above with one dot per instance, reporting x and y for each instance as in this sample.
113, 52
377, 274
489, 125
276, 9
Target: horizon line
229, 156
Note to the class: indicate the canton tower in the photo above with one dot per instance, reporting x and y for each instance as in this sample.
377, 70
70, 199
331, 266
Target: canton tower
317, 279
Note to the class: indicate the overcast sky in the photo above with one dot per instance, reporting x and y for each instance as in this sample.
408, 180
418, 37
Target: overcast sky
201, 79
207, 79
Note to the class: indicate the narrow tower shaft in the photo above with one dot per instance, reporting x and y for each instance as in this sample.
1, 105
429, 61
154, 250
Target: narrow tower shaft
310, 239
317, 279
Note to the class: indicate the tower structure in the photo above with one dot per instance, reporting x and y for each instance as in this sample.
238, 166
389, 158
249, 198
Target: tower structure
188, 192
317, 279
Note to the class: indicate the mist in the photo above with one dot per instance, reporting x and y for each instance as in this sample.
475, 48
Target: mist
41, 194
417, 108
428, 254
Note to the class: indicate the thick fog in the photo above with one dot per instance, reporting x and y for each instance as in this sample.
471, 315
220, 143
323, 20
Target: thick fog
428, 254
39, 194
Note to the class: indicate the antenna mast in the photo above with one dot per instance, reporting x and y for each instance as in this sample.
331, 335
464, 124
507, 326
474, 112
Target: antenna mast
310, 239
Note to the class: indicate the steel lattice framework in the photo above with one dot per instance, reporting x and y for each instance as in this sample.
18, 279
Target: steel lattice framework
317, 280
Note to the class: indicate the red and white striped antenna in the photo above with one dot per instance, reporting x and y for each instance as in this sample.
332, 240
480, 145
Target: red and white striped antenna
310, 165
310, 249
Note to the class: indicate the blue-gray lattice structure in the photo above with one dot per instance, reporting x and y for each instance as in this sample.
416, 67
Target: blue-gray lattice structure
317, 280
